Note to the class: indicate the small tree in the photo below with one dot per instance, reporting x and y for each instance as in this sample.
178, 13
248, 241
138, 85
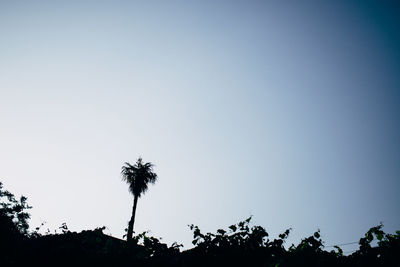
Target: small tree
138, 177
13, 215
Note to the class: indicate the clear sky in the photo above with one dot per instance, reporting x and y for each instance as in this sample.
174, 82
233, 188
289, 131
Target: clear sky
283, 110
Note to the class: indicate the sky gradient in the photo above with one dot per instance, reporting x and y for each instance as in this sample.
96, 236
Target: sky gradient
285, 111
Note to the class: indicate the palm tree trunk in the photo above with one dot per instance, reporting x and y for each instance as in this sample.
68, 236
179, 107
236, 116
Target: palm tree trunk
132, 221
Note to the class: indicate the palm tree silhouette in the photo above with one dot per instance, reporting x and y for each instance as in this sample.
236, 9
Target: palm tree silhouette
138, 177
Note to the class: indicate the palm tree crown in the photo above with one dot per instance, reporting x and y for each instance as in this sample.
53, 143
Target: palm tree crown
138, 176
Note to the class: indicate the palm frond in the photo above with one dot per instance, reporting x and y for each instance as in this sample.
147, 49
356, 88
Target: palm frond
138, 176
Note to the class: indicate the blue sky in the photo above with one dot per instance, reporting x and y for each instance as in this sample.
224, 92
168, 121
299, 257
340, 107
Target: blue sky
286, 111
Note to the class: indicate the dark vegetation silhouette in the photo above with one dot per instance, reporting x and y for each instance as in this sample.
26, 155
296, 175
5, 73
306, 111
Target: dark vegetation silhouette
13, 222
238, 245
138, 177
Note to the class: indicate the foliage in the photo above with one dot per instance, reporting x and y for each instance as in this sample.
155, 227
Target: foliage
387, 253
238, 245
13, 215
138, 176
13, 224
240, 235
242, 245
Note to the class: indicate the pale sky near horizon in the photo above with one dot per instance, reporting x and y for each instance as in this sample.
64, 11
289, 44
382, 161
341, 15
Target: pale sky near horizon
285, 111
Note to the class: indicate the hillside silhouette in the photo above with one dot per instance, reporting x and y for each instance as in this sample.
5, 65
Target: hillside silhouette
238, 245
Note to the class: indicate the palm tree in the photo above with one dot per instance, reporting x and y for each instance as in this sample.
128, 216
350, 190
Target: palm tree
138, 177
